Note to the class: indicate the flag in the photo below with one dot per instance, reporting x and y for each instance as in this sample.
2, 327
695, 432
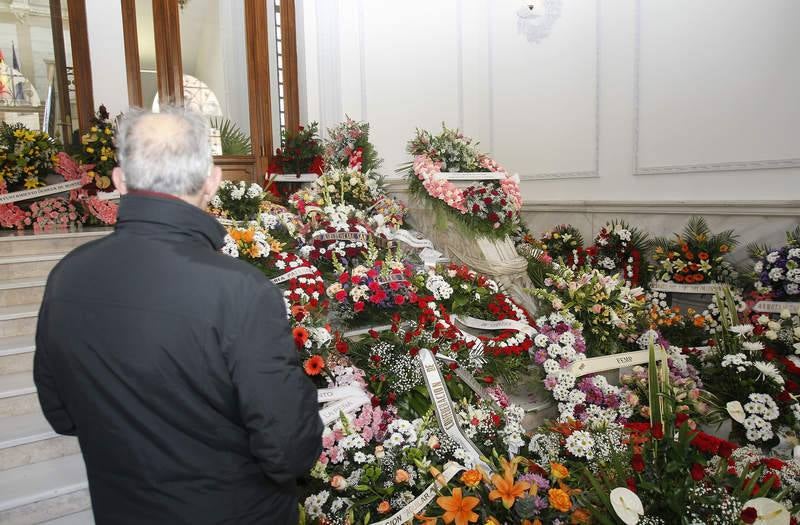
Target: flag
19, 85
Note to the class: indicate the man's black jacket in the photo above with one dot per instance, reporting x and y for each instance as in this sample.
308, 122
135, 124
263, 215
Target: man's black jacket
175, 367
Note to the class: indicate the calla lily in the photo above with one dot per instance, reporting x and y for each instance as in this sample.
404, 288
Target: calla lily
627, 505
736, 411
770, 512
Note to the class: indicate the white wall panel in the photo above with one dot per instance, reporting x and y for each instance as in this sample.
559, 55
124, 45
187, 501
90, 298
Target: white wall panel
718, 85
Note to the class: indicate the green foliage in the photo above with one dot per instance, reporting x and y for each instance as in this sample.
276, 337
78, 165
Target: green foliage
456, 152
234, 140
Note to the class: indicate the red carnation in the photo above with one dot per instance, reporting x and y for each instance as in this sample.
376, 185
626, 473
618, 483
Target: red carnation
631, 483
658, 431
341, 347
637, 462
697, 471
358, 307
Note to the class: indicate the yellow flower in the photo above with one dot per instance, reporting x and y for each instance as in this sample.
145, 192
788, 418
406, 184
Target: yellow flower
93, 129
102, 182
558, 471
32, 183
107, 131
89, 150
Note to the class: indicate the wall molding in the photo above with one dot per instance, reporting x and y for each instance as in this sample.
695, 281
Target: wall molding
585, 174
787, 208
710, 167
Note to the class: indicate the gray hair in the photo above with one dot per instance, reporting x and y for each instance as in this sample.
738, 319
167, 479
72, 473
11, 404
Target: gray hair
166, 152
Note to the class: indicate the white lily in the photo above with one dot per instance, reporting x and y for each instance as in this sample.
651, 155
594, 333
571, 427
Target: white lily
770, 512
627, 505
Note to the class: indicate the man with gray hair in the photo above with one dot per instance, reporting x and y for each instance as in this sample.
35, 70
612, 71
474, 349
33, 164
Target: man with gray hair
173, 364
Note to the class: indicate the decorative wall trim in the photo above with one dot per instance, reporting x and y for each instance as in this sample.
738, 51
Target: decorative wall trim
362, 50
460, 63
595, 172
738, 207
711, 167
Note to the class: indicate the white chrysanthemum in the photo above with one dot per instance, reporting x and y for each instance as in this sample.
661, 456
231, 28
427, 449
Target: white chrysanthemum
541, 340
753, 346
776, 274
772, 257
769, 371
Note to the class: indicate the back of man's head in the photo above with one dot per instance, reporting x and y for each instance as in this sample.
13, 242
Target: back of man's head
166, 152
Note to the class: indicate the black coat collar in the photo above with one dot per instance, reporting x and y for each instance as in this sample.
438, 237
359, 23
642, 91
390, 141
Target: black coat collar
169, 218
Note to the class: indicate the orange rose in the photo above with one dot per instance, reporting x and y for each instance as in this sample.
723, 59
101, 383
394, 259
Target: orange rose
699, 321
724, 248
703, 256
384, 507
559, 500
558, 471
699, 278
401, 476
471, 478
678, 278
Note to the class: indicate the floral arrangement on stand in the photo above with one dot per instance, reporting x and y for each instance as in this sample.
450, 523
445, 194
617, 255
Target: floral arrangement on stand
47, 214
695, 256
385, 286
519, 492
564, 242
348, 146
237, 201
99, 151
80, 202
606, 306
682, 328
300, 152
472, 296
776, 273
744, 388
590, 399
489, 209
27, 157
621, 249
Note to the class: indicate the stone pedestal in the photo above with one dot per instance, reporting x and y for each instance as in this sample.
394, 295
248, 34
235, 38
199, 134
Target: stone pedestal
495, 258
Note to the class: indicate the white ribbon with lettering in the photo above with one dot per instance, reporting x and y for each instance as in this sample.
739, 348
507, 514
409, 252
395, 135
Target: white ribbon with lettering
326, 395
408, 238
443, 407
671, 287
348, 405
393, 278
776, 307
505, 324
342, 236
407, 513
24, 195
297, 272
612, 362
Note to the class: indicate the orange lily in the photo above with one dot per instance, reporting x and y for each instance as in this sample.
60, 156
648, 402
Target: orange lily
507, 489
458, 508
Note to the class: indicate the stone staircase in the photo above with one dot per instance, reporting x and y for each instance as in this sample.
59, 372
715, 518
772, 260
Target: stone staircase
42, 475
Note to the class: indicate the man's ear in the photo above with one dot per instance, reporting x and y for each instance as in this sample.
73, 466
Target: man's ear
212, 183
119, 180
